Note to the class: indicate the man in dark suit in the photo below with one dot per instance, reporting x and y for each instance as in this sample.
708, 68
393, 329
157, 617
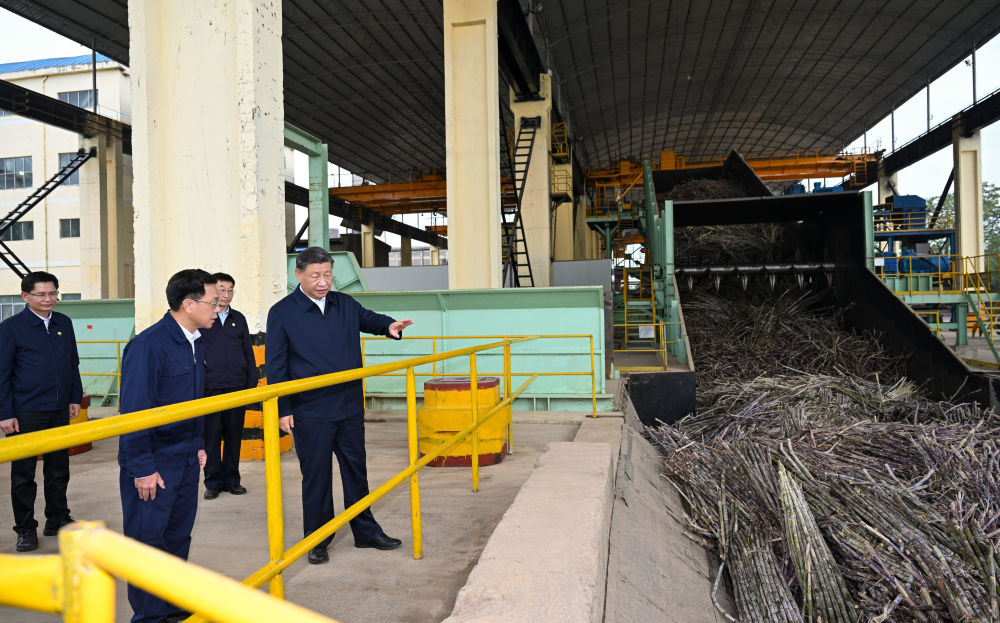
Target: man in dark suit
158, 481
230, 367
314, 331
39, 389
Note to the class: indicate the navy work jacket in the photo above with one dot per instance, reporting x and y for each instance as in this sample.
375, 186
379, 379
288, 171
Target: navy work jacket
302, 341
39, 368
159, 369
229, 357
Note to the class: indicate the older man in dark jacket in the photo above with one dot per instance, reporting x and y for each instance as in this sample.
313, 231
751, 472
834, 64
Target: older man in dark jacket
315, 331
164, 365
229, 367
39, 389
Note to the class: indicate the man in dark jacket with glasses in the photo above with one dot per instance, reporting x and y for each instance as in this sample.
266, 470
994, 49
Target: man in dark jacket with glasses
39, 389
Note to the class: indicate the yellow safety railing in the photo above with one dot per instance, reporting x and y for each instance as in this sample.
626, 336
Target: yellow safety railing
925, 274
434, 370
932, 318
562, 182
183, 579
887, 221
79, 581
117, 357
559, 140
660, 341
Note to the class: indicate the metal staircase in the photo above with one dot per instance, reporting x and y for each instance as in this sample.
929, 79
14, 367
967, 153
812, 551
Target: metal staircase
9, 257
517, 265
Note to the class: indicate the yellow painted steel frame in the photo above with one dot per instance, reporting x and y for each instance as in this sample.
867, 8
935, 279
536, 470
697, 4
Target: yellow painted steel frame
118, 357
80, 585
507, 372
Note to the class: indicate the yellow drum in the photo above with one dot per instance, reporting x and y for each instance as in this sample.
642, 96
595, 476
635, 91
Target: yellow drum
84, 405
447, 409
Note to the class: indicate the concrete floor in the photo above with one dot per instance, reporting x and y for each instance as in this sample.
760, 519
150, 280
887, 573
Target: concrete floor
357, 585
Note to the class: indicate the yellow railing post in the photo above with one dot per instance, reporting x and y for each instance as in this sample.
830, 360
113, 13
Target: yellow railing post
474, 386
506, 395
272, 477
414, 440
593, 381
88, 590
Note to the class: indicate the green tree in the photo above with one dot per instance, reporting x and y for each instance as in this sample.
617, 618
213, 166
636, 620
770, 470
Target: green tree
991, 216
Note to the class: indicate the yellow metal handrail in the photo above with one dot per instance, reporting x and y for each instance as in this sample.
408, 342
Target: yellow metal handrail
79, 582
434, 372
118, 357
30, 444
660, 338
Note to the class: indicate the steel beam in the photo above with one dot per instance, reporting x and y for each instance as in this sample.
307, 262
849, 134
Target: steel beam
353, 212
51, 111
520, 63
971, 119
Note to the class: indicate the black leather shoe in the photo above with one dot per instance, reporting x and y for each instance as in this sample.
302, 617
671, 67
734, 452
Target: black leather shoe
382, 541
237, 490
211, 494
27, 541
318, 555
52, 528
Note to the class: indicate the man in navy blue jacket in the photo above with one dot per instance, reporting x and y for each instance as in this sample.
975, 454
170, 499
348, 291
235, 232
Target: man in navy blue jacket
164, 365
315, 331
230, 367
39, 389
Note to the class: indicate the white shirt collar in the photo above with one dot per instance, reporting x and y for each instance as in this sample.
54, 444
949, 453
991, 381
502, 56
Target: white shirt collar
45, 320
191, 337
223, 316
321, 303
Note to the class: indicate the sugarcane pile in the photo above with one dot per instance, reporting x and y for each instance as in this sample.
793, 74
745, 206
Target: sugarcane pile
830, 486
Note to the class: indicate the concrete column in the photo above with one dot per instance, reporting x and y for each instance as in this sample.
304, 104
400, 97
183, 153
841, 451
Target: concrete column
436, 257
968, 193
563, 224
537, 199
367, 242
472, 118
886, 183
582, 230
105, 221
209, 185
405, 251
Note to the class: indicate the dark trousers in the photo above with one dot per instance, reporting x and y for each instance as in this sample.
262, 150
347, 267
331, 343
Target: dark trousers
315, 443
55, 471
222, 470
164, 523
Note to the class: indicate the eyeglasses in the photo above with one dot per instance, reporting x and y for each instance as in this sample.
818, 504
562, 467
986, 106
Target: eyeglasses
45, 295
213, 303
224, 292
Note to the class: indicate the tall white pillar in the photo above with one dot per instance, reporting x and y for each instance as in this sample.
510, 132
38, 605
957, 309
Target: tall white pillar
967, 152
472, 118
537, 198
208, 162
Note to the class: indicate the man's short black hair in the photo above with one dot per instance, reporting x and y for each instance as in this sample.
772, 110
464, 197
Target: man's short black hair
31, 280
312, 255
224, 277
187, 284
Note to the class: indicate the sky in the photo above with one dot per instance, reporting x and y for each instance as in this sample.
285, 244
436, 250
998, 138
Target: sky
949, 94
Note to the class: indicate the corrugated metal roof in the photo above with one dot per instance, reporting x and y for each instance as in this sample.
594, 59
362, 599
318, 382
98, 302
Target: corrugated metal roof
637, 76
48, 63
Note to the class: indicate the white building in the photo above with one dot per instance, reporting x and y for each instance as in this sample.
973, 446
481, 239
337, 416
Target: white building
57, 236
